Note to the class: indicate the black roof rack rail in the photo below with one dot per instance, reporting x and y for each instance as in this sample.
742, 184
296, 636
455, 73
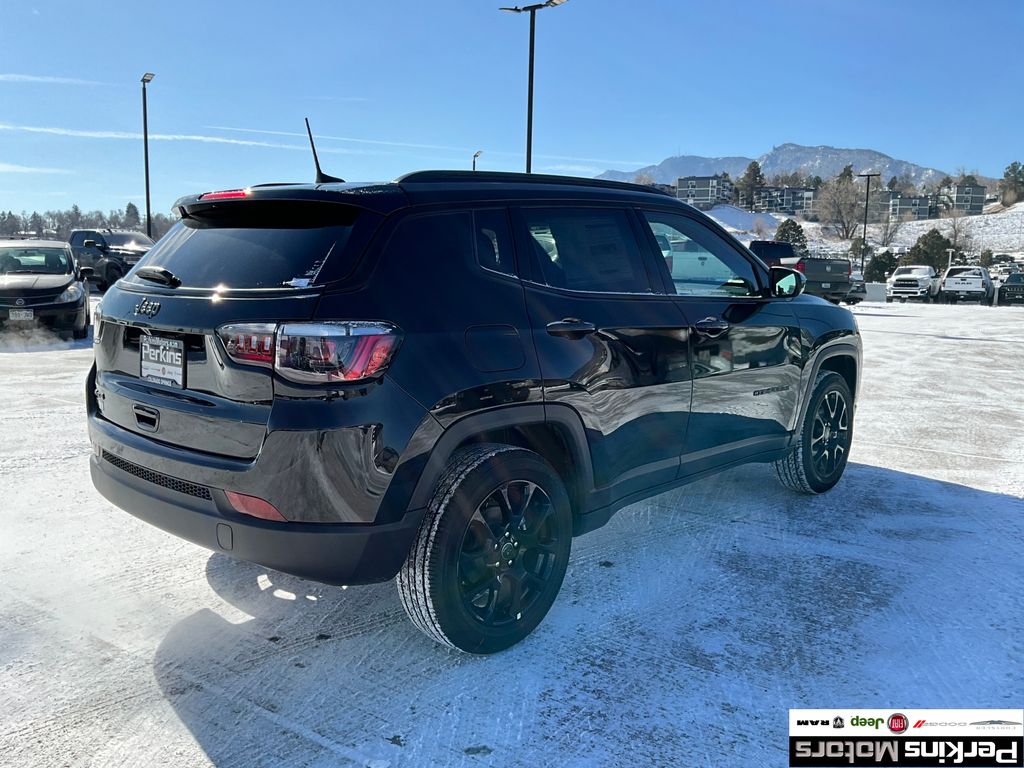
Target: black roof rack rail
441, 177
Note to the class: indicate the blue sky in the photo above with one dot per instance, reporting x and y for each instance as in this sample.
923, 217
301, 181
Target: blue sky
398, 85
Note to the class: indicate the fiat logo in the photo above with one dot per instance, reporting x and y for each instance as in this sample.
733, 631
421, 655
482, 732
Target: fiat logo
897, 723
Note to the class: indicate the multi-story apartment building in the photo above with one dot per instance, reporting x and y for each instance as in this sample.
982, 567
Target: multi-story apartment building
969, 198
910, 207
790, 200
704, 191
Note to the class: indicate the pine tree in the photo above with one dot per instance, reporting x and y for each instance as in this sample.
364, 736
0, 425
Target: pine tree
881, 265
131, 216
790, 231
751, 179
930, 250
1012, 185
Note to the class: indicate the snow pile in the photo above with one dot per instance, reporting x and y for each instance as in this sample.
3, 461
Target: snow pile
738, 220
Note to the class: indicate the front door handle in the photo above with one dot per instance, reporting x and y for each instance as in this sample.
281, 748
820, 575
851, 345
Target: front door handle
711, 327
571, 328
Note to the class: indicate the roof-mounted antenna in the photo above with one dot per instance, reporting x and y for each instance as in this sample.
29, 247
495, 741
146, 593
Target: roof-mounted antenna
321, 177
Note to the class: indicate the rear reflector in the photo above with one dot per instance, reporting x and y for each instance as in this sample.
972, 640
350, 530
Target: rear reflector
254, 506
227, 194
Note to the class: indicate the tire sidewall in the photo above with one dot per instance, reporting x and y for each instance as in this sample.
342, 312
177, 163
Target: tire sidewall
832, 382
460, 627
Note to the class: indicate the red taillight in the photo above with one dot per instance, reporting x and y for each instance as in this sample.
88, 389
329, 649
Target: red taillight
227, 194
319, 353
313, 353
799, 266
254, 506
251, 343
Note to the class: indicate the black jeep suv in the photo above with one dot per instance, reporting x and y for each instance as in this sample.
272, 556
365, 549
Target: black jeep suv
448, 377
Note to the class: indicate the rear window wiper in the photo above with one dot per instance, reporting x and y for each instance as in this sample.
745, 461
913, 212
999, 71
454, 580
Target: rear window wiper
158, 275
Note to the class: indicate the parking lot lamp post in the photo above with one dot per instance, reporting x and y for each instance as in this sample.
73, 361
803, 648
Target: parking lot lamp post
146, 78
867, 202
532, 9
950, 252
475, 156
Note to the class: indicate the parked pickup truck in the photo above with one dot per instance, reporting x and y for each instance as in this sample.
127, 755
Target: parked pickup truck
915, 282
967, 284
828, 278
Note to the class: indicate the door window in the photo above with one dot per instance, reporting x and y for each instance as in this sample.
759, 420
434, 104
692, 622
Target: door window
698, 260
585, 249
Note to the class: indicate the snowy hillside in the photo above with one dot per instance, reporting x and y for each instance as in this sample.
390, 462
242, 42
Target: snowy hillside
1001, 232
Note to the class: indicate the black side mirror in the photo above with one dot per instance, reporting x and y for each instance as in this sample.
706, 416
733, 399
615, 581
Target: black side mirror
786, 283
89, 244
84, 273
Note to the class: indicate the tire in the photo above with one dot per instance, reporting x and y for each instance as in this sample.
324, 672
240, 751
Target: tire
888, 299
803, 469
464, 526
84, 333
111, 276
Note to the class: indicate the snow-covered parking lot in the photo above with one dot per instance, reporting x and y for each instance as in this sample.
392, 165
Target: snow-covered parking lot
686, 628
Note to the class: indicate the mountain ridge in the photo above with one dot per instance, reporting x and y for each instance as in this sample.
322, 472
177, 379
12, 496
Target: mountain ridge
821, 160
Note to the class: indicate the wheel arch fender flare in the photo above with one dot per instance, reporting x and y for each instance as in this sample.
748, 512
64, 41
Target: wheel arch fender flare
560, 417
834, 350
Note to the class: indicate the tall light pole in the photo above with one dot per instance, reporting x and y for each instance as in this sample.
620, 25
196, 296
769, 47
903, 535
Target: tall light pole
867, 202
475, 156
532, 9
146, 78
949, 261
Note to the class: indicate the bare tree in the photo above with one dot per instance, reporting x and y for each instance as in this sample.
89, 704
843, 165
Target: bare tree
958, 229
760, 228
889, 229
646, 179
840, 206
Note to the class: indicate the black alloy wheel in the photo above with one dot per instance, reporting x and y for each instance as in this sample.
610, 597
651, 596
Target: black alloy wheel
492, 550
508, 553
830, 434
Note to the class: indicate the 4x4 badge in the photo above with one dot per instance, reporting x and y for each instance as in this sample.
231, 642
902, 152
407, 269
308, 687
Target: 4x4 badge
147, 308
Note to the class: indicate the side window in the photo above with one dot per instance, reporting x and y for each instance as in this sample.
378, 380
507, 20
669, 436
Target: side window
494, 241
699, 261
77, 239
586, 249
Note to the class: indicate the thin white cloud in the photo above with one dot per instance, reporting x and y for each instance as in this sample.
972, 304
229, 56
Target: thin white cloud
430, 146
132, 135
12, 168
573, 169
45, 79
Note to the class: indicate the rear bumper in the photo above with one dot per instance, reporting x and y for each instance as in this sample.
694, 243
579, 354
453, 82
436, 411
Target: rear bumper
328, 553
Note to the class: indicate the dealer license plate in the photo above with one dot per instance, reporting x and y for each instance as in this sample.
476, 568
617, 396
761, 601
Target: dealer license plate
21, 314
826, 285
163, 360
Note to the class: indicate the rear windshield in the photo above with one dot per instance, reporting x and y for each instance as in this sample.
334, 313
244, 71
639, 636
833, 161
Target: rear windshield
964, 271
772, 251
255, 244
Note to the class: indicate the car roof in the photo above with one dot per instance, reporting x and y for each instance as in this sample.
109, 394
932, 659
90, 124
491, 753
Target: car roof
449, 187
30, 243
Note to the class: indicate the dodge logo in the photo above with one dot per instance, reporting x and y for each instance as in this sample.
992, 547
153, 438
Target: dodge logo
147, 308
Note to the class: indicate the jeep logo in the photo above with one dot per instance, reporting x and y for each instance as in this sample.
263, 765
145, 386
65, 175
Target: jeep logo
147, 308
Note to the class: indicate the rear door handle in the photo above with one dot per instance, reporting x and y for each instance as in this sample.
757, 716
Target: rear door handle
711, 327
571, 328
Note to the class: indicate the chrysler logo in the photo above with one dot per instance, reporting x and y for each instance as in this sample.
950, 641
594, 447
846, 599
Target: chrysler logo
20, 302
147, 308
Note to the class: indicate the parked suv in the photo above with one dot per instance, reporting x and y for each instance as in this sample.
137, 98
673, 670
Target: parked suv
447, 377
109, 253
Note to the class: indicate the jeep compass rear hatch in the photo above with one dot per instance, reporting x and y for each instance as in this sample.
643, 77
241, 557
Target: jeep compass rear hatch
185, 343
